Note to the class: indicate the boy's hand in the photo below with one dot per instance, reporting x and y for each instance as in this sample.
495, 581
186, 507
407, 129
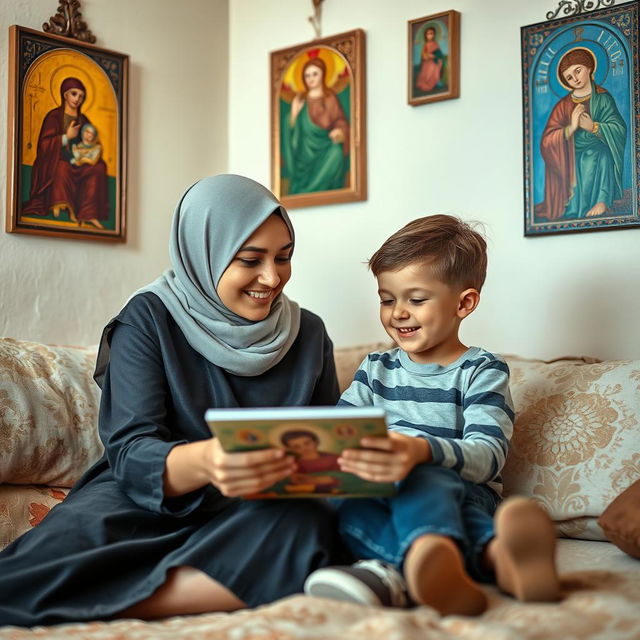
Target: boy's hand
385, 459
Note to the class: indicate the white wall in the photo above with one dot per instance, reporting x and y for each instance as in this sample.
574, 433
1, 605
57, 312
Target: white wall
545, 296
63, 291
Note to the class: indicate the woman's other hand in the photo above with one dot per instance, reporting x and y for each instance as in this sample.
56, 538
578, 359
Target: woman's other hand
246, 472
194, 465
586, 122
575, 118
73, 130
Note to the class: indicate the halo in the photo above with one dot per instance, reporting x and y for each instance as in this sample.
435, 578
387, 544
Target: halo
592, 55
436, 26
334, 62
68, 70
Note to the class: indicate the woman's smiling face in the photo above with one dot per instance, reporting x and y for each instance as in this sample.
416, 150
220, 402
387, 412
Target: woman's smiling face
259, 271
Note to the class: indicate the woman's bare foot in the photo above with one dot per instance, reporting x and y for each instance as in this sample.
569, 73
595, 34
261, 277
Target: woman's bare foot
523, 551
435, 575
597, 210
95, 222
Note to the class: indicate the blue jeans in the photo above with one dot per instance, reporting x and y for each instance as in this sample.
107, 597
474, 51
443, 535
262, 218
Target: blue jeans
431, 499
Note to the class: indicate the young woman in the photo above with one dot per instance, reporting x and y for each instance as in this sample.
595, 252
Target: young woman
157, 527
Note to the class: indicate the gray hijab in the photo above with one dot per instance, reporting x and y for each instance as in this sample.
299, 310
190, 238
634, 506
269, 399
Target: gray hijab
211, 222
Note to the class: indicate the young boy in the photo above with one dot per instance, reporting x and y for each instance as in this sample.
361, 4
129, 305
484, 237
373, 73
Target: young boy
450, 421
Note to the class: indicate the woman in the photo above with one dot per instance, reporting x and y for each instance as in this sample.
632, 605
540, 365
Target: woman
56, 183
315, 137
582, 145
156, 527
431, 62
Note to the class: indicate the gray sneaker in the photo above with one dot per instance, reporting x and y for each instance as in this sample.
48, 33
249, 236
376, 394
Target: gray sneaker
369, 582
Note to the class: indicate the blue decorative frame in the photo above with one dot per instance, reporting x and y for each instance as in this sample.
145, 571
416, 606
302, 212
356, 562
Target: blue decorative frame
611, 35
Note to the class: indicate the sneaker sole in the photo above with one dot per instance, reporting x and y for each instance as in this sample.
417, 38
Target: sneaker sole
336, 585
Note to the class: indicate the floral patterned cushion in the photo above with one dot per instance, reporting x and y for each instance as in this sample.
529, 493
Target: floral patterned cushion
48, 413
23, 507
576, 442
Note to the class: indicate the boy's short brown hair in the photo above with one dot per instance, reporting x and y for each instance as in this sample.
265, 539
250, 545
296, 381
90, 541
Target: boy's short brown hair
456, 252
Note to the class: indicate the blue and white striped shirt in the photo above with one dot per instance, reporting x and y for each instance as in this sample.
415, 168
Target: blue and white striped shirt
464, 410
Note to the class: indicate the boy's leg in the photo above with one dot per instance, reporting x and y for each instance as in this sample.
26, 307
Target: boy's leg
367, 529
427, 514
523, 551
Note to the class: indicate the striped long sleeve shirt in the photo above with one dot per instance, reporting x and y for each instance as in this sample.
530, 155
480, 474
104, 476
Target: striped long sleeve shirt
464, 410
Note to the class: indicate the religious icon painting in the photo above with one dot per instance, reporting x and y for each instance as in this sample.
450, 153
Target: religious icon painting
581, 91
67, 138
434, 58
318, 128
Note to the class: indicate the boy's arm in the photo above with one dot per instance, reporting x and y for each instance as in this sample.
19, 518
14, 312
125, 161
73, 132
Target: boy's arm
385, 459
488, 426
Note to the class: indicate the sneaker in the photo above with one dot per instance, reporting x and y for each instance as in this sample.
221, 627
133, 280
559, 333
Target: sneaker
368, 582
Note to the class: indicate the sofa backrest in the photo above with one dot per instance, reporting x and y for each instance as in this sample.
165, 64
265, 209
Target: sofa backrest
48, 413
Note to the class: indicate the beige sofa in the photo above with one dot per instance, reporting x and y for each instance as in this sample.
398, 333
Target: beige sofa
576, 447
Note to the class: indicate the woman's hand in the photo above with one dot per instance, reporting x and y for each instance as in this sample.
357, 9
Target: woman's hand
385, 459
296, 106
336, 135
575, 118
247, 472
586, 122
73, 130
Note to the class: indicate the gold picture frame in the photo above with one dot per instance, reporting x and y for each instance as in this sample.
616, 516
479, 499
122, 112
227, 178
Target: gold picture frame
433, 56
318, 121
67, 138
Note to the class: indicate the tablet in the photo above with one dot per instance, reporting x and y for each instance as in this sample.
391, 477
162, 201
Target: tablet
315, 436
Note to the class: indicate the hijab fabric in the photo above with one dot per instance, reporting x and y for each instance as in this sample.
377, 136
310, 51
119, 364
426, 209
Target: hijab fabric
212, 221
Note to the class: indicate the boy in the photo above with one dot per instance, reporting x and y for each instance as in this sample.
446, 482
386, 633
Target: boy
450, 421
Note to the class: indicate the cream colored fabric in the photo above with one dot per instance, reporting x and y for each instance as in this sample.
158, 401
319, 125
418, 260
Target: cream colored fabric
48, 413
598, 605
576, 443
349, 358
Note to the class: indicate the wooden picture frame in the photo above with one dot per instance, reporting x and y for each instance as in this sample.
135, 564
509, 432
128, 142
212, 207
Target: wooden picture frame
67, 138
581, 99
433, 57
318, 130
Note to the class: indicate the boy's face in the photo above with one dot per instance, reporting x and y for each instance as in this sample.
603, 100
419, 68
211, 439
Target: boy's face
421, 314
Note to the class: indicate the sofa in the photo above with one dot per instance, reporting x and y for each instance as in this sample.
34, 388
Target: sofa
576, 450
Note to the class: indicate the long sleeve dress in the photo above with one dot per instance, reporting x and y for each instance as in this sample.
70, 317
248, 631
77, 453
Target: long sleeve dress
113, 539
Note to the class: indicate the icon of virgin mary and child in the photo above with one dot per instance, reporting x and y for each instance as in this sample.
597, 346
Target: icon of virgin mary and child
69, 174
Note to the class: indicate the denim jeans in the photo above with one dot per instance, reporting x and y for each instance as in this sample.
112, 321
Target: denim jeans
431, 499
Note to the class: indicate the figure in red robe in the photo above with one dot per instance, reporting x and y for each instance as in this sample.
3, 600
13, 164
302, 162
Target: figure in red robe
56, 183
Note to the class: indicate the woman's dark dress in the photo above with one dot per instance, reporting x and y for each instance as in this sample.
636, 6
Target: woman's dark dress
112, 541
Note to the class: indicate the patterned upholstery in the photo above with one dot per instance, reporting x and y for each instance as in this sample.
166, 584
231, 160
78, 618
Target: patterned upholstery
576, 443
576, 446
